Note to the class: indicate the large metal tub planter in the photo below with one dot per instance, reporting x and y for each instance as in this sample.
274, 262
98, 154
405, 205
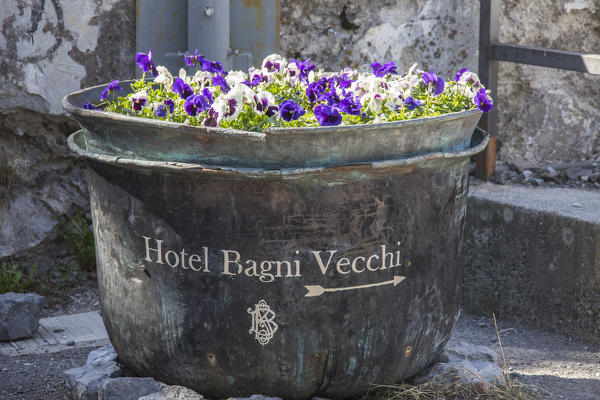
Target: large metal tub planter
275, 148
318, 277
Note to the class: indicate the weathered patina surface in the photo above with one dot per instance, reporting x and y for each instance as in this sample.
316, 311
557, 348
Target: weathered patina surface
290, 282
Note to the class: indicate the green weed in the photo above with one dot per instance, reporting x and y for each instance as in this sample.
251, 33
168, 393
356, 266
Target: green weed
74, 230
13, 278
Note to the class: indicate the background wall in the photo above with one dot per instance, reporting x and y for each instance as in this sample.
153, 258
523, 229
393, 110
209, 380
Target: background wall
49, 48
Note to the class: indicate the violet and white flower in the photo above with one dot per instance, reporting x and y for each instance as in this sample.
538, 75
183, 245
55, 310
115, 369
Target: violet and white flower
164, 77
139, 100
274, 64
290, 110
327, 116
264, 103
112, 87
482, 101
212, 120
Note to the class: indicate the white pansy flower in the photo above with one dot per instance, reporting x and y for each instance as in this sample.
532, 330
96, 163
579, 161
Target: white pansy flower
164, 77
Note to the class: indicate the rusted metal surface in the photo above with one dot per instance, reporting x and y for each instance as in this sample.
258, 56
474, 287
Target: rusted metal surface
278, 148
291, 282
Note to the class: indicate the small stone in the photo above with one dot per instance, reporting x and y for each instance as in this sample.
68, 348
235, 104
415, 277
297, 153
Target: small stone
173, 393
550, 171
536, 181
527, 174
462, 350
475, 374
257, 397
67, 342
83, 383
19, 315
577, 205
128, 388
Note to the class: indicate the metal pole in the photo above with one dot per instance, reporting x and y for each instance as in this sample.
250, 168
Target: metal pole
209, 29
489, 32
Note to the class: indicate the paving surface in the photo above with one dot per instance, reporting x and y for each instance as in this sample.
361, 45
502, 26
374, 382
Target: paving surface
564, 369
60, 333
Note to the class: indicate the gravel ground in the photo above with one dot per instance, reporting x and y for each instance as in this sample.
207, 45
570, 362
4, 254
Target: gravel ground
562, 368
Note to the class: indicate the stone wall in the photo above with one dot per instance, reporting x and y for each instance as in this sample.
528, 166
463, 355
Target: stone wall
544, 114
49, 49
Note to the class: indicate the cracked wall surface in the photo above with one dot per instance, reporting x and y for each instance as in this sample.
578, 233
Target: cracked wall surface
49, 48
544, 114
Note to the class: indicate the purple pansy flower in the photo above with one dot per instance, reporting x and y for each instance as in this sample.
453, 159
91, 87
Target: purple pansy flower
289, 110
381, 70
114, 85
304, 68
212, 118
193, 60
482, 101
88, 106
144, 61
272, 66
438, 83
213, 66
315, 89
411, 103
350, 105
256, 79
161, 110
219, 80
195, 103
206, 93
327, 116
460, 73
183, 89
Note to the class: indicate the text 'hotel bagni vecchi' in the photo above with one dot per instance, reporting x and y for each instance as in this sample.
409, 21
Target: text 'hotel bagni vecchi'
231, 262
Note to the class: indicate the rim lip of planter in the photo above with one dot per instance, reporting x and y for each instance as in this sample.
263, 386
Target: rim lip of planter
81, 151
73, 103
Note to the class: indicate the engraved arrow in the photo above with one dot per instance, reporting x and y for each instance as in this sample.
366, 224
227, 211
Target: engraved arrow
317, 290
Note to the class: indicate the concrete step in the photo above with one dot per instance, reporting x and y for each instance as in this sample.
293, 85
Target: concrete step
533, 254
60, 333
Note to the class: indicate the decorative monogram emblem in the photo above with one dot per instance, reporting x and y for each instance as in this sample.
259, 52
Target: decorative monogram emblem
263, 324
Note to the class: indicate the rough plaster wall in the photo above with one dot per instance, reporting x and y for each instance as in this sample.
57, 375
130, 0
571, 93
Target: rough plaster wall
544, 114
49, 48
440, 35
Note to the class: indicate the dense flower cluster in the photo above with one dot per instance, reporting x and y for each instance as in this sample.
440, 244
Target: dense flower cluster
291, 93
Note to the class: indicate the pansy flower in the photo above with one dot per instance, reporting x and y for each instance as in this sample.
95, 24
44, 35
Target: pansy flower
195, 103
315, 89
351, 105
304, 69
327, 116
460, 73
482, 101
219, 80
164, 77
139, 100
183, 89
212, 120
274, 64
385, 69
411, 103
144, 61
290, 110
430, 78
168, 105
88, 106
264, 102
112, 87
